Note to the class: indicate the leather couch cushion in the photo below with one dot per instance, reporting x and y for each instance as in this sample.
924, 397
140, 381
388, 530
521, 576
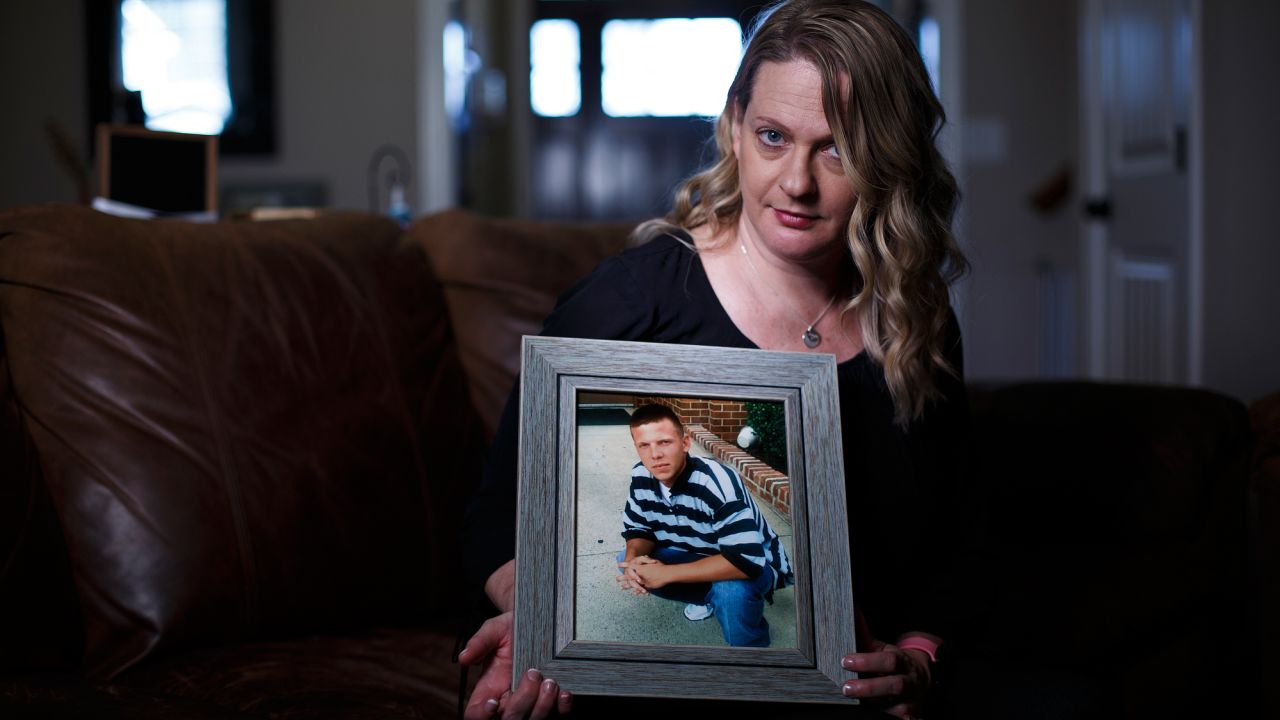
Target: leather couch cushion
1118, 536
501, 279
1265, 417
247, 429
377, 674
39, 611
1124, 527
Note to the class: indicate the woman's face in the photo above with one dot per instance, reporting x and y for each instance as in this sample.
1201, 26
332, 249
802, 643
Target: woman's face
796, 200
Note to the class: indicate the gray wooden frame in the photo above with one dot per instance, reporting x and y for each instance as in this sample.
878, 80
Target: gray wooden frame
554, 370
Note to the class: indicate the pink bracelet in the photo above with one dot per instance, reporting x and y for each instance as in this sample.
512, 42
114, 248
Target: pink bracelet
924, 645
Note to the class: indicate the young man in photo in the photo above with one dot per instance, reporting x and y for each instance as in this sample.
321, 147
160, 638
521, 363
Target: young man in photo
695, 535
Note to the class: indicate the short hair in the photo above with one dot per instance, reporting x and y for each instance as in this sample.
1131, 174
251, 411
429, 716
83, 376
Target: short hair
654, 412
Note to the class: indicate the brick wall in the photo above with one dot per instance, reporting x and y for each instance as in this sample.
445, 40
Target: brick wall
767, 484
714, 424
725, 418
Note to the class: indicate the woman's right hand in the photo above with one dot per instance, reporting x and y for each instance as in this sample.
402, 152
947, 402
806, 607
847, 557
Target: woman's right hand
535, 696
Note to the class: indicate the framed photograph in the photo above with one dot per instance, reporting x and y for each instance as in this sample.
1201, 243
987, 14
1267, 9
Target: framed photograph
161, 172
638, 460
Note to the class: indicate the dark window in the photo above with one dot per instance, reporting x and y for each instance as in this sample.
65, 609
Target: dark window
624, 164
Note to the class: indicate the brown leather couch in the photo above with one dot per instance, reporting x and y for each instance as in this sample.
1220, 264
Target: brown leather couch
1265, 480
233, 458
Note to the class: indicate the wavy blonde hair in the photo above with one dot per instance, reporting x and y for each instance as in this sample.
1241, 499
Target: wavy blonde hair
885, 118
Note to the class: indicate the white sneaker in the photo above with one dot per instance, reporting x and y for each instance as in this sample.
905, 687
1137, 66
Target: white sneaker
696, 612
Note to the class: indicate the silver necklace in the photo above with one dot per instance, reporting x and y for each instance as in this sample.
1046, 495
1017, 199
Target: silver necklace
811, 337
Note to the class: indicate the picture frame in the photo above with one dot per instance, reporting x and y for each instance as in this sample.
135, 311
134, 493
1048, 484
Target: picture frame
157, 172
554, 372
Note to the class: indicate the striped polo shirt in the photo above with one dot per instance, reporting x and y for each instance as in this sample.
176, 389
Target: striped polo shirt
708, 513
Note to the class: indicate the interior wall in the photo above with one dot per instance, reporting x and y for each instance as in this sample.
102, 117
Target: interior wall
42, 69
346, 84
346, 78
1241, 72
1018, 131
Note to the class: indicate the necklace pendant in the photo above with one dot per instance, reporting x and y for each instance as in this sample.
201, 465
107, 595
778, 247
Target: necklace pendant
811, 338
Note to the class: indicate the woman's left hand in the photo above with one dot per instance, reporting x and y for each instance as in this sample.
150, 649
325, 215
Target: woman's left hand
895, 679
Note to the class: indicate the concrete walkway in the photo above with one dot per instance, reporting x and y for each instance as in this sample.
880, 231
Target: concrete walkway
603, 611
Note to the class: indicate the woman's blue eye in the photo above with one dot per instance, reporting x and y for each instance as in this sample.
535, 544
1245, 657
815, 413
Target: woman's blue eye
772, 138
833, 151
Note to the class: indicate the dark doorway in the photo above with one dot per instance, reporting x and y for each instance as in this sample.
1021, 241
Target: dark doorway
590, 165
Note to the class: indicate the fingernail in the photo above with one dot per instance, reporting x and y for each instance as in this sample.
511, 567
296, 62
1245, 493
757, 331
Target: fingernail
534, 675
549, 686
491, 706
852, 688
847, 663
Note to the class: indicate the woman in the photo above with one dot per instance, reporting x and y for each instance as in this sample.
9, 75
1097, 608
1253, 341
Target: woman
825, 226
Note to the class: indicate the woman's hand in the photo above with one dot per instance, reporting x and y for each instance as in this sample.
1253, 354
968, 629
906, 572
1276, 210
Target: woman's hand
896, 679
535, 696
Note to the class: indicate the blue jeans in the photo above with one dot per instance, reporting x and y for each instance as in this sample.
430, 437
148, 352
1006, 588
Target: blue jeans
739, 604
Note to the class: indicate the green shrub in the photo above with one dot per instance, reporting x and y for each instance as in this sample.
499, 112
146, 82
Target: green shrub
769, 420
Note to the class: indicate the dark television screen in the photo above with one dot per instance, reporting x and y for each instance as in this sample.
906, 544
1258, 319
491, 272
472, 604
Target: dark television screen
159, 173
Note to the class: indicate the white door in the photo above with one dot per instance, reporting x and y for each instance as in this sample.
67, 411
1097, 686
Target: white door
1142, 268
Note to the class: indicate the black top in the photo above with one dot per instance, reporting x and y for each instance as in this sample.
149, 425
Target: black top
902, 485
